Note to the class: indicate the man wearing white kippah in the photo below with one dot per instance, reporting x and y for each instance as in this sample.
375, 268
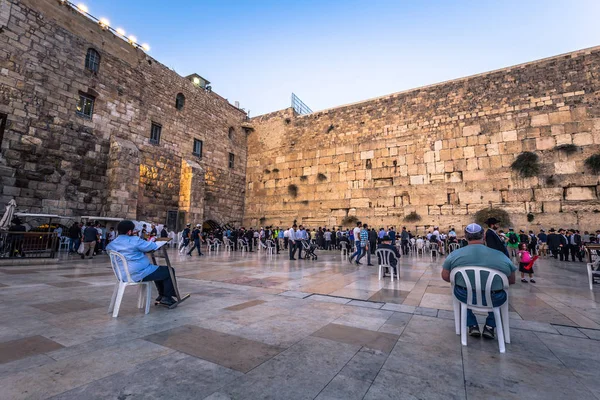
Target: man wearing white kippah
478, 255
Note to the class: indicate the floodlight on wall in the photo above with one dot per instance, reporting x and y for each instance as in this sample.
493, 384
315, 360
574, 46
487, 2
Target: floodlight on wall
146, 47
132, 39
104, 23
120, 31
83, 8
196, 81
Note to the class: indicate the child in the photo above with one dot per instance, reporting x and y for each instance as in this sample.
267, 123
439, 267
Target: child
525, 260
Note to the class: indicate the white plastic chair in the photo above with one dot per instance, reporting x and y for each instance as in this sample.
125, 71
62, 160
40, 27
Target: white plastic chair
64, 244
228, 243
592, 268
270, 247
344, 248
118, 261
434, 249
242, 245
453, 246
384, 256
460, 308
420, 249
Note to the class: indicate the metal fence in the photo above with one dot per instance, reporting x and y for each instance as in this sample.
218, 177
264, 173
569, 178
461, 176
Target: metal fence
28, 244
299, 106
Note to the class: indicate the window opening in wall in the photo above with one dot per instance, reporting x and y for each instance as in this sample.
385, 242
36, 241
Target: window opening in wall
231, 160
197, 148
155, 132
179, 101
85, 106
3, 119
92, 60
231, 132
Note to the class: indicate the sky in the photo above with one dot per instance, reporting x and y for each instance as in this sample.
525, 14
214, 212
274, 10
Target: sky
334, 52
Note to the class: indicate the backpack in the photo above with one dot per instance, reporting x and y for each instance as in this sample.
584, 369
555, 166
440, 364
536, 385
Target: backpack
512, 238
195, 233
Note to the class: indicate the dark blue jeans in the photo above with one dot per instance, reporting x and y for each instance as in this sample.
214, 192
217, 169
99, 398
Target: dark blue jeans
498, 298
162, 280
358, 250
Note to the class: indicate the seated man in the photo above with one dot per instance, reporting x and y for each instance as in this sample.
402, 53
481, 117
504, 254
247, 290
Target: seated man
386, 243
134, 248
478, 255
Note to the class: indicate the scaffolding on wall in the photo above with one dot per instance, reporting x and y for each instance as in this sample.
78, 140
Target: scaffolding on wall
299, 106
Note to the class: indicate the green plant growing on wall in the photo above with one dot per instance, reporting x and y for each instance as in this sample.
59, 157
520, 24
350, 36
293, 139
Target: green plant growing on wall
293, 190
262, 220
330, 128
530, 217
412, 217
593, 163
483, 215
551, 181
304, 178
568, 148
321, 177
526, 165
349, 220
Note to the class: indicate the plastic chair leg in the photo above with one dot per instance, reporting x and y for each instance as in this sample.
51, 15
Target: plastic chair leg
463, 324
499, 330
148, 297
141, 294
391, 273
120, 293
380, 271
590, 276
505, 324
113, 298
456, 305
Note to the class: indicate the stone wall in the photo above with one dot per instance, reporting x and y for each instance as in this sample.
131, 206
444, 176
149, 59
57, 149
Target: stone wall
54, 161
443, 151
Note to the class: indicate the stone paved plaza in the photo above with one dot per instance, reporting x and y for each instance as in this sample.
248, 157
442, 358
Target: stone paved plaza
259, 327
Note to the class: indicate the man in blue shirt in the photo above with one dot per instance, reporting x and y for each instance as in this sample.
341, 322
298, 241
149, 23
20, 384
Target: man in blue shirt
133, 248
478, 255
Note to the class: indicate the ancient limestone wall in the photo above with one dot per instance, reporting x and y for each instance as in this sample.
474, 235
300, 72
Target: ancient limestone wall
55, 161
443, 151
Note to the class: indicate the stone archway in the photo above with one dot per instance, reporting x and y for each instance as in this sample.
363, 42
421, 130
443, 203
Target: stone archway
210, 225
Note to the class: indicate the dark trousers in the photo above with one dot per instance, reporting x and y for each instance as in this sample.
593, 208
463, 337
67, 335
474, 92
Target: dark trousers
292, 248
404, 244
498, 298
372, 247
363, 251
575, 252
285, 242
328, 245
554, 251
564, 253
162, 280
299, 247
196, 246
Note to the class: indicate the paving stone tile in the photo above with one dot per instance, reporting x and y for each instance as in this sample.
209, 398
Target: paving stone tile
181, 376
365, 364
569, 331
329, 299
68, 284
26, 347
389, 296
591, 333
221, 348
366, 304
298, 295
430, 312
399, 308
381, 341
18, 271
67, 306
245, 305
89, 275
393, 385
343, 387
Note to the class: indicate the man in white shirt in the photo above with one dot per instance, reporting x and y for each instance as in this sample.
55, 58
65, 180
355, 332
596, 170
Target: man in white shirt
356, 234
286, 238
292, 241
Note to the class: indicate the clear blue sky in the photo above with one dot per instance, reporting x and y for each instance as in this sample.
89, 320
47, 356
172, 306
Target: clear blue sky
336, 52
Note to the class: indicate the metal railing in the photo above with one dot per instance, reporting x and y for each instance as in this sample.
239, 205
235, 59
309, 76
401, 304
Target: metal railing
299, 106
28, 244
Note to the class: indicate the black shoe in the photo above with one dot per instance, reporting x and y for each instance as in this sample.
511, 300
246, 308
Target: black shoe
532, 280
167, 301
488, 332
358, 263
474, 331
370, 265
158, 299
189, 254
524, 280
350, 259
292, 259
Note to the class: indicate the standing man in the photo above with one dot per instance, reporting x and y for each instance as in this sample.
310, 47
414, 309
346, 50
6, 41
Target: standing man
554, 243
75, 237
90, 237
576, 246
196, 237
291, 241
356, 235
327, 236
392, 235
364, 245
478, 255
404, 240
492, 240
564, 245
373, 240
185, 237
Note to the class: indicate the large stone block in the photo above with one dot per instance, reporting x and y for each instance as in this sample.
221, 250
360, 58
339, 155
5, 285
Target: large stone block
581, 193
